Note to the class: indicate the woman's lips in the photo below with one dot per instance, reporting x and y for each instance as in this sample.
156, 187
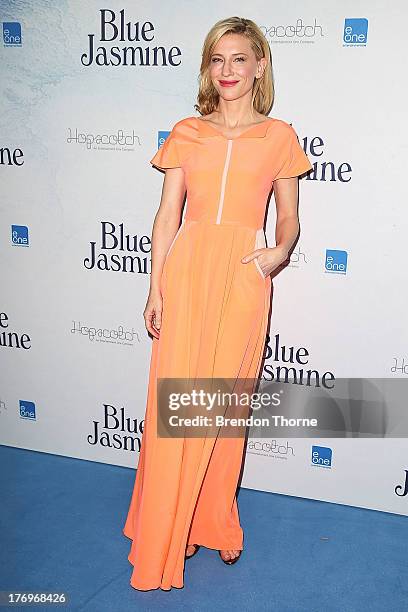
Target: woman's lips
228, 83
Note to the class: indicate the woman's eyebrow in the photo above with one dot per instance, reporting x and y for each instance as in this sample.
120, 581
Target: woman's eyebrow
241, 53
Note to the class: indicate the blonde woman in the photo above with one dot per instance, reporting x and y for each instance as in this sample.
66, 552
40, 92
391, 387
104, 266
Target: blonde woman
209, 298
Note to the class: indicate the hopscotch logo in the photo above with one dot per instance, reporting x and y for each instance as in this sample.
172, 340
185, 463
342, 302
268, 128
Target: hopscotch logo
270, 448
104, 141
322, 456
27, 410
355, 32
336, 261
112, 335
12, 34
3, 406
294, 32
19, 235
297, 258
400, 365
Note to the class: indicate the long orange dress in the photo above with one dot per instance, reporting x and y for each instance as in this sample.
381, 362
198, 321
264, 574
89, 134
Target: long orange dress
215, 312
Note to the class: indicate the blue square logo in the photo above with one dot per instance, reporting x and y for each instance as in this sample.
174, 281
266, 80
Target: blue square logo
12, 34
336, 261
322, 456
19, 235
355, 31
27, 410
162, 137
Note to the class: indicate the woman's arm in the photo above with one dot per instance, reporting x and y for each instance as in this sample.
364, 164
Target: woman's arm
166, 221
286, 192
287, 226
165, 226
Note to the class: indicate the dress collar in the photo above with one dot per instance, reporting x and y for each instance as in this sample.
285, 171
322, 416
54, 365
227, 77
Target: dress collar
205, 130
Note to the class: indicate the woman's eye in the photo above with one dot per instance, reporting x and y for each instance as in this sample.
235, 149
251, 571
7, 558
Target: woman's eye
216, 59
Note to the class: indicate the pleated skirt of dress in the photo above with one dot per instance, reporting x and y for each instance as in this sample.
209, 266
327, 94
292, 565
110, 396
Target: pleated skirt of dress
214, 320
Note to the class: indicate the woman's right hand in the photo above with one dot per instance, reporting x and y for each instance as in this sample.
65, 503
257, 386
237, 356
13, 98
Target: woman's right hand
153, 313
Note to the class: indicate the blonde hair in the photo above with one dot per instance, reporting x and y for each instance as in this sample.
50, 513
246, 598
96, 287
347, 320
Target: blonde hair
263, 88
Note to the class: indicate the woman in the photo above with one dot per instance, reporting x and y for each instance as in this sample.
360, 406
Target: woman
209, 296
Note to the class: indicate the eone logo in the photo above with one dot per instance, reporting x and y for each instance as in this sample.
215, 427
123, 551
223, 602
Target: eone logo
336, 261
355, 32
27, 410
12, 34
19, 235
322, 456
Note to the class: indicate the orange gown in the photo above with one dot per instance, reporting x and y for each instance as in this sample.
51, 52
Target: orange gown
214, 319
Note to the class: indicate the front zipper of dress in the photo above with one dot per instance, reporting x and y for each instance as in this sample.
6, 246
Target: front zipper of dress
223, 181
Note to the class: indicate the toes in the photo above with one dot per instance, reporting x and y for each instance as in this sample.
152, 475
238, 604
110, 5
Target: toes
229, 555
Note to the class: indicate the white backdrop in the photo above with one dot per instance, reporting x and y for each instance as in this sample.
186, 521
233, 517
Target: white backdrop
76, 139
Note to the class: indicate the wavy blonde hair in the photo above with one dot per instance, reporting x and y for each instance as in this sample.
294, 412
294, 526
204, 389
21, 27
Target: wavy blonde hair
263, 88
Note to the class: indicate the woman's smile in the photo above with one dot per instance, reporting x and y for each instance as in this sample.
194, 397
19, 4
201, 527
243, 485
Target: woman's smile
228, 83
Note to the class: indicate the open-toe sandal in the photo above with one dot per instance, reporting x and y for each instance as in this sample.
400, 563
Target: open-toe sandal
230, 561
196, 547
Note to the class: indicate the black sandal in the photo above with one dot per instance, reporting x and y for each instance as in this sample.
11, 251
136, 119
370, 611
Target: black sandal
230, 561
196, 546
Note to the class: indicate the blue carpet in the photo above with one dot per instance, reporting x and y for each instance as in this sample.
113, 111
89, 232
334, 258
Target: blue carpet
61, 530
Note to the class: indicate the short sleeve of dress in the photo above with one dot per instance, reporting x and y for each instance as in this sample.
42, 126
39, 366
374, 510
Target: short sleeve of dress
168, 155
292, 159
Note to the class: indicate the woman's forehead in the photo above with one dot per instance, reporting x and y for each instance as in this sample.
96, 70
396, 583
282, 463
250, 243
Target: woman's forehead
233, 43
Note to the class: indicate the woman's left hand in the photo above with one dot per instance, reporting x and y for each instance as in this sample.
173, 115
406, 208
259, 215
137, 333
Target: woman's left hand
268, 258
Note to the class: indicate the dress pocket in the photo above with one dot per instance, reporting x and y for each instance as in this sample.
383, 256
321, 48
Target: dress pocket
260, 243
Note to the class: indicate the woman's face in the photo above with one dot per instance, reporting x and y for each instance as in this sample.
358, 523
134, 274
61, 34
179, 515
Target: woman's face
233, 66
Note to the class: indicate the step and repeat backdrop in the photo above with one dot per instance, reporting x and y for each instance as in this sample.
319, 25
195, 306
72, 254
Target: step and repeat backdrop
89, 92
